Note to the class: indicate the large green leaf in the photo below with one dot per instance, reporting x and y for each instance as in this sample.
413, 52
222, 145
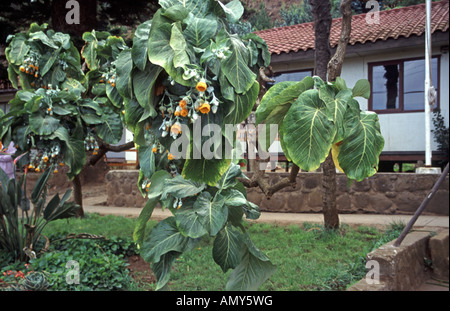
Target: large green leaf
147, 160
139, 51
179, 46
43, 124
189, 222
281, 96
111, 130
307, 132
212, 212
159, 50
74, 153
228, 179
236, 67
163, 267
17, 50
124, 66
362, 146
242, 106
182, 188
233, 10
200, 31
254, 269
227, 248
199, 8
89, 50
143, 86
203, 170
154, 193
164, 238
336, 107
362, 89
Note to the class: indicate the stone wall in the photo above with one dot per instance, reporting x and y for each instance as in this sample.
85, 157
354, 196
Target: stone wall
122, 189
384, 193
408, 266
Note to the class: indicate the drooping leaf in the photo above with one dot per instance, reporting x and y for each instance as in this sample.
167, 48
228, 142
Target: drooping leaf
281, 94
179, 46
236, 67
154, 193
180, 187
163, 267
198, 8
143, 86
233, 10
243, 105
362, 146
124, 66
254, 269
200, 31
147, 160
228, 179
307, 132
139, 51
336, 107
362, 89
227, 248
189, 222
43, 125
203, 170
164, 238
111, 130
89, 50
17, 49
212, 212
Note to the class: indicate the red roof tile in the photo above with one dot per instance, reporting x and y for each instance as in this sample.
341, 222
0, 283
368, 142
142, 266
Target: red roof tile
395, 23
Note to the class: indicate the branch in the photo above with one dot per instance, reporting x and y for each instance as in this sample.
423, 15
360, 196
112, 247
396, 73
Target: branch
104, 148
258, 180
336, 62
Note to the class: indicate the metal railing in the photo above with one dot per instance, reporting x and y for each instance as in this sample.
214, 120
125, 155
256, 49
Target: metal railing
421, 207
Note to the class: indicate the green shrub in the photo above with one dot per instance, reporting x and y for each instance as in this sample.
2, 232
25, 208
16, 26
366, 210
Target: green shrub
101, 263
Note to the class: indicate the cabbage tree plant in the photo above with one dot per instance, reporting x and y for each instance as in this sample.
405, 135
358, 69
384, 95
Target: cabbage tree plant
184, 69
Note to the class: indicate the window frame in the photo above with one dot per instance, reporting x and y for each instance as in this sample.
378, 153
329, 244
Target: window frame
401, 63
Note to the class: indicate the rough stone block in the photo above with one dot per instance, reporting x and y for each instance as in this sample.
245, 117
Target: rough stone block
439, 250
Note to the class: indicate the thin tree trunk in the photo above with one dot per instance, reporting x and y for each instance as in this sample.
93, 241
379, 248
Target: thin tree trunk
78, 195
322, 24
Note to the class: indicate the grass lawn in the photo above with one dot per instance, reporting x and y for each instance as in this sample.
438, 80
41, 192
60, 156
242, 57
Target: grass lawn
307, 257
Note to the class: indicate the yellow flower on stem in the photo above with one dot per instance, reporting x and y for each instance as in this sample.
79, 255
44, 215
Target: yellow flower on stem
176, 128
154, 149
183, 103
205, 108
201, 86
170, 157
184, 113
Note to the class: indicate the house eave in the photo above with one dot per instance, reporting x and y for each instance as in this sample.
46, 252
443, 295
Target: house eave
439, 39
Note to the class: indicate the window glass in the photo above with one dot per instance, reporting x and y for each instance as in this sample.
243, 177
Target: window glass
289, 76
385, 86
414, 83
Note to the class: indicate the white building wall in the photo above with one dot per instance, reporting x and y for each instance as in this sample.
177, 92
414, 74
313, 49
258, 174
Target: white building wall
402, 131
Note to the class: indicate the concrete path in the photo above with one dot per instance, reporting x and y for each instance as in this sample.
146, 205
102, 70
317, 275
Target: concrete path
291, 218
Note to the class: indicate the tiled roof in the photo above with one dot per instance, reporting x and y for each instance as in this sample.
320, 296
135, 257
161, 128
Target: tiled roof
395, 23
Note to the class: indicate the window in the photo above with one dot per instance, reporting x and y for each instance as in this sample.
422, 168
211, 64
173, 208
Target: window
398, 86
289, 76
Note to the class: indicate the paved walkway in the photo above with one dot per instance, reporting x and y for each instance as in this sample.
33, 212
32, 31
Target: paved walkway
291, 218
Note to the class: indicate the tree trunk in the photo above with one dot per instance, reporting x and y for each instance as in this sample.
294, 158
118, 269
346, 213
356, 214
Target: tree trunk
322, 24
321, 11
78, 195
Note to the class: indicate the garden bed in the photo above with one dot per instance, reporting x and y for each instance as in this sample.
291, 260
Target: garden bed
307, 257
